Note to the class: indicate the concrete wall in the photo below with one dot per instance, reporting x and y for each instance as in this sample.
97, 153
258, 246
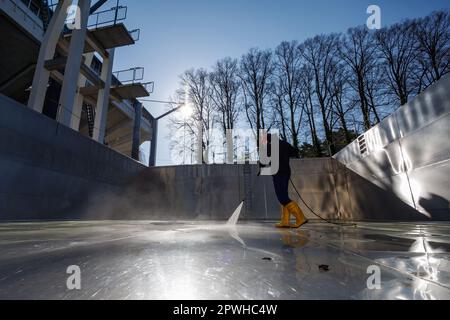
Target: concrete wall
409, 153
49, 171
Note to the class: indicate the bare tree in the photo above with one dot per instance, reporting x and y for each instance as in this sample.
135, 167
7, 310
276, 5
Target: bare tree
256, 70
433, 36
399, 51
288, 85
183, 131
342, 106
308, 106
279, 108
225, 90
196, 91
326, 89
320, 53
357, 48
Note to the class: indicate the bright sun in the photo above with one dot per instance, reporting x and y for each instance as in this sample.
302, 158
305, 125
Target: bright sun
186, 111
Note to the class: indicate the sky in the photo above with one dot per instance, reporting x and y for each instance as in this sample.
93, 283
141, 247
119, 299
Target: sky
177, 35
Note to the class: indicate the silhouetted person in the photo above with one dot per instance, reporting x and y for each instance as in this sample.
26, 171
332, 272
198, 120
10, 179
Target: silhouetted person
281, 184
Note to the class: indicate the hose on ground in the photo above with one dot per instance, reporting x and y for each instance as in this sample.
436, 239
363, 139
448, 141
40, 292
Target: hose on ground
341, 224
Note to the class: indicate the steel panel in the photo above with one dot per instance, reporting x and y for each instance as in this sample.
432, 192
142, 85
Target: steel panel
426, 108
349, 154
417, 158
382, 135
430, 189
385, 162
427, 145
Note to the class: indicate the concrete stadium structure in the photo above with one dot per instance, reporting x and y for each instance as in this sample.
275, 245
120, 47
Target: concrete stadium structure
100, 103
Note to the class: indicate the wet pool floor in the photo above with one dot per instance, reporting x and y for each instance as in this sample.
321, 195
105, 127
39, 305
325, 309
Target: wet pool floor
187, 260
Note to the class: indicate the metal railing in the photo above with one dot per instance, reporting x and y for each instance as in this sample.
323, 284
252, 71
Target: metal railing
149, 86
108, 17
131, 75
32, 6
52, 4
135, 34
111, 16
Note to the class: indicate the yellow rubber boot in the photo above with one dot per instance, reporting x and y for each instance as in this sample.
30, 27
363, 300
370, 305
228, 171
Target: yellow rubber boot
295, 210
285, 221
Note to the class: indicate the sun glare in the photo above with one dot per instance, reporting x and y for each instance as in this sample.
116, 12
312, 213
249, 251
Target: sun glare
186, 111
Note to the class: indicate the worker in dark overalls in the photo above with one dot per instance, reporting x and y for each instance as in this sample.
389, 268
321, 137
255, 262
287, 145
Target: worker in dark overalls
281, 183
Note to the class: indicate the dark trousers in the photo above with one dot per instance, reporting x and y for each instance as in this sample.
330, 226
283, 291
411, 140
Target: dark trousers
281, 184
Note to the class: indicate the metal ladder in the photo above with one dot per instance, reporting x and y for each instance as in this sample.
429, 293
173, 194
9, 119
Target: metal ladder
362, 145
90, 115
248, 188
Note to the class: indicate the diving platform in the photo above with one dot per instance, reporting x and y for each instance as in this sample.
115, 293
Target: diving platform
130, 91
118, 92
102, 39
126, 85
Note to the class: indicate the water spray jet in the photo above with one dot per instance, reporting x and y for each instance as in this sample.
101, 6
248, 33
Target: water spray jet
232, 222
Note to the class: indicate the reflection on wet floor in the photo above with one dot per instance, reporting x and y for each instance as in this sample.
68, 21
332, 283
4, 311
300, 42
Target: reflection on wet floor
160, 260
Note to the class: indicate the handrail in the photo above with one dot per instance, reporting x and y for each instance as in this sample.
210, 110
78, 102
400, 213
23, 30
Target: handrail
110, 16
32, 6
134, 75
135, 34
149, 86
118, 14
52, 4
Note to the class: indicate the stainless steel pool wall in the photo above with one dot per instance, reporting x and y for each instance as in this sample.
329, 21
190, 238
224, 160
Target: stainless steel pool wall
48, 171
214, 192
409, 152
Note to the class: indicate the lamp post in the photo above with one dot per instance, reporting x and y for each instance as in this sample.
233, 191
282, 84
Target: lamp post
155, 121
